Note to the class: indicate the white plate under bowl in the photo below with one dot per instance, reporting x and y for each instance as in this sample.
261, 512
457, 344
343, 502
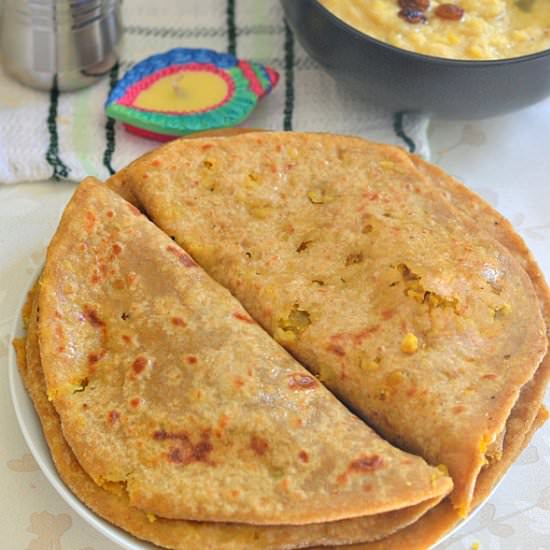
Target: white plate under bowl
32, 432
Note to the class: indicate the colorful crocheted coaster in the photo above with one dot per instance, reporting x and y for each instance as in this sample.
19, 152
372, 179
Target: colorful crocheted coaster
188, 90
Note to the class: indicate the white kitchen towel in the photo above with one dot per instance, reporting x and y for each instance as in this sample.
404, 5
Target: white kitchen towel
67, 136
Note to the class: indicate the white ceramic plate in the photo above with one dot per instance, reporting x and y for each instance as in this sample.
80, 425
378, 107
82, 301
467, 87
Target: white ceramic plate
32, 432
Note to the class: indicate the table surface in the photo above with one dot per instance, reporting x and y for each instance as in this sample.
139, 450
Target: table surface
505, 159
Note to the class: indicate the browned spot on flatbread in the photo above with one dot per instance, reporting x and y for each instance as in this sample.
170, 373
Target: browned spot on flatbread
94, 357
355, 258
135, 402
221, 425
183, 258
60, 334
139, 364
259, 445
366, 463
119, 284
133, 210
184, 451
388, 314
303, 246
336, 349
90, 220
92, 317
357, 337
113, 417
299, 381
363, 465
245, 318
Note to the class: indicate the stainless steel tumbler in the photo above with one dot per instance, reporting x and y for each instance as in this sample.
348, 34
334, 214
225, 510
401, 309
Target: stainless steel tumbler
73, 41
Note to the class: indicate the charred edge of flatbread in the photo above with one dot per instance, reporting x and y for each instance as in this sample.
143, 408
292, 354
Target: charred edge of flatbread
112, 504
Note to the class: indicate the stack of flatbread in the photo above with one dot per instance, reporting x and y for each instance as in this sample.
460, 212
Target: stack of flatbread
283, 340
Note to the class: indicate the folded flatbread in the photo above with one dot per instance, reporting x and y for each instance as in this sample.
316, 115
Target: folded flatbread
111, 501
528, 414
408, 296
165, 386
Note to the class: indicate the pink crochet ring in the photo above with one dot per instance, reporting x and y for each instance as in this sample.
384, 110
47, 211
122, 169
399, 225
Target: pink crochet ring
188, 90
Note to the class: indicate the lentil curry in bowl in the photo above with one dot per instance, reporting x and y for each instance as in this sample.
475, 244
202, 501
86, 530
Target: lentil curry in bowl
463, 29
459, 59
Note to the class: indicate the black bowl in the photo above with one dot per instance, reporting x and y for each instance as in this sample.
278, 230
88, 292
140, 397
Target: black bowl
407, 81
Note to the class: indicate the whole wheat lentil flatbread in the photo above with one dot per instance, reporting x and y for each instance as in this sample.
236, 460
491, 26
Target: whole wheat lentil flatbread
354, 260
111, 501
164, 383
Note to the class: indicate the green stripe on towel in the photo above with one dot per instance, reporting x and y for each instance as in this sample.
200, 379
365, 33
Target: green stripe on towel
399, 129
231, 28
110, 128
60, 170
289, 78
